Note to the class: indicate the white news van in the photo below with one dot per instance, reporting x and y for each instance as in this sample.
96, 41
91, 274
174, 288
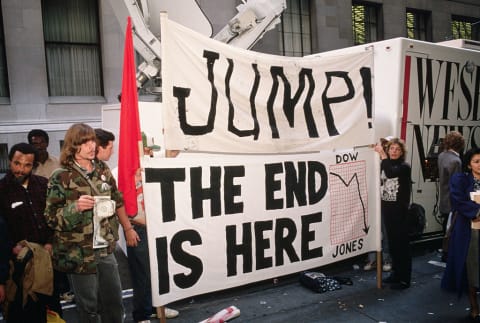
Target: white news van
421, 91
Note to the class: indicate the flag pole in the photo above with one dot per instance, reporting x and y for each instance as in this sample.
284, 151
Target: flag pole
130, 142
130, 136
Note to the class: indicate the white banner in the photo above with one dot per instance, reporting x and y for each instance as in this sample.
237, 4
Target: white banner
218, 98
223, 221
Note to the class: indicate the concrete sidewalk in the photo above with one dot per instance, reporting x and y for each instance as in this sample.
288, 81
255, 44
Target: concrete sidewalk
285, 300
288, 301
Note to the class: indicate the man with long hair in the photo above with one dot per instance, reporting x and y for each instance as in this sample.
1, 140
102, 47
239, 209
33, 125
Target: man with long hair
82, 205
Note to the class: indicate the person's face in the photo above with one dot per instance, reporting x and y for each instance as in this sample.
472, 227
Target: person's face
104, 154
86, 151
395, 151
475, 165
40, 143
21, 165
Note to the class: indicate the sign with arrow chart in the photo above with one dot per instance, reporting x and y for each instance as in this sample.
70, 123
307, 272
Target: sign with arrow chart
220, 221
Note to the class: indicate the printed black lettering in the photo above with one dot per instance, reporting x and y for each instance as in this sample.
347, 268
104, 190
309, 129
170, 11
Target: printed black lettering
329, 101
309, 236
262, 244
231, 109
272, 185
198, 194
285, 234
231, 190
166, 177
181, 257
243, 249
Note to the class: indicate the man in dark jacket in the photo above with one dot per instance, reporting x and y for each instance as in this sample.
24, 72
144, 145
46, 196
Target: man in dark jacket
22, 203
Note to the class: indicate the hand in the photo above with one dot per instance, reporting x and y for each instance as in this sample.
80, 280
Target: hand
132, 238
379, 149
48, 247
16, 250
85, 202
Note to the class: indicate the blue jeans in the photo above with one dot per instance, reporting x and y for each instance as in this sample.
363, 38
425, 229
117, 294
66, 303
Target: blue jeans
139, 265
99, 296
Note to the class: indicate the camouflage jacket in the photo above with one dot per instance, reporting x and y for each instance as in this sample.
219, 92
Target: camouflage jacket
73, 231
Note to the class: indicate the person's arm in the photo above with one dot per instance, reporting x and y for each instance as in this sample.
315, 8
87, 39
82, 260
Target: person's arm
393, 170
131, 235
63, 213
381, 153
460, 187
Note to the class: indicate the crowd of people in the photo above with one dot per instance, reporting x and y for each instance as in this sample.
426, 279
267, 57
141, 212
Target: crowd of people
59, 220
459, 207
50, 219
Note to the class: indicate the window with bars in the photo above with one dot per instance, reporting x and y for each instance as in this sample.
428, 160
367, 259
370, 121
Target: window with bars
465, 28
295, 32
72, 47
366, 22
418, 25
4, 88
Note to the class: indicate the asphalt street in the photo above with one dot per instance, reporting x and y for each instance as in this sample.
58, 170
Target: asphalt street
284, 299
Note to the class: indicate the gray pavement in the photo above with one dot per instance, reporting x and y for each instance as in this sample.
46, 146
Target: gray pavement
288, 301
285, 300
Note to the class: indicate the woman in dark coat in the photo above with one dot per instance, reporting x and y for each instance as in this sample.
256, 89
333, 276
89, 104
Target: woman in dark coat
462, 273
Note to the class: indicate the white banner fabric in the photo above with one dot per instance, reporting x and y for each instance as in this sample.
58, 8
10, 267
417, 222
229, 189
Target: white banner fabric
219, 98
223, 221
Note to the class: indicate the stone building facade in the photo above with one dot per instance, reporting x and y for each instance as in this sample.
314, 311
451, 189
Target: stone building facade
29, 103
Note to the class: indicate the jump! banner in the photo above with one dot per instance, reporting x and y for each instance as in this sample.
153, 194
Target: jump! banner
217, 223
218, 98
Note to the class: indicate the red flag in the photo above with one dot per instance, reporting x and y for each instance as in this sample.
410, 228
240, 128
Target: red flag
128, 152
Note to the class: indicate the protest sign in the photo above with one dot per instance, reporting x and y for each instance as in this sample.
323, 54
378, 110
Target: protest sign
219, 98
224, 221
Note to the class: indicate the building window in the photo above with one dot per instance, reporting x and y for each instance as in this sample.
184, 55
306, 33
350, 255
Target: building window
4, 89
295, 32
418, 25
4, 162
72, 47
465, 28
366, 22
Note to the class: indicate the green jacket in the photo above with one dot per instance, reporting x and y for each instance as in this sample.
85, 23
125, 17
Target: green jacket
73, 231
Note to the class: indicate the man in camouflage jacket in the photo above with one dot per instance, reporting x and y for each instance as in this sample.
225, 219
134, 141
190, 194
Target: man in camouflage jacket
73, 236
80, 248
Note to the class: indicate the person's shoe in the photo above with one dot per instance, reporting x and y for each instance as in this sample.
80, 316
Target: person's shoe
170, 313
387, 267
144, 321
399, 285
390, 280
370, 265
154, 313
